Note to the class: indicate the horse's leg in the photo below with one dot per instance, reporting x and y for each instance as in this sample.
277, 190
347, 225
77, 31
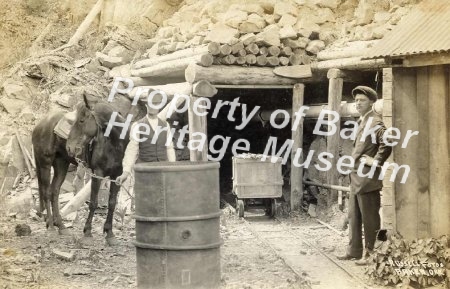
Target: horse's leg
41, 190
113, 192
60, 167
46, 192
95, 186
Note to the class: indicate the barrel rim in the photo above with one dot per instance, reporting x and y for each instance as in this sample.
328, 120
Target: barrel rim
214, 215
143, 245
175, 166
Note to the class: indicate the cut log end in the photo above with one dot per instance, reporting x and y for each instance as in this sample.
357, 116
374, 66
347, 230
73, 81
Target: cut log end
214, 48
261, 60
225, 50
273, 61
203, 88
206, 60
274, 50
250, 59
252, 48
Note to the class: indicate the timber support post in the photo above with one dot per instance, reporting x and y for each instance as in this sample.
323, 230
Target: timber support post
336, 82
198, 129
297, 137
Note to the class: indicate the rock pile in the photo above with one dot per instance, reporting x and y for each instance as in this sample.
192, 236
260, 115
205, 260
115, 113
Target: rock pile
262, 33
54, 81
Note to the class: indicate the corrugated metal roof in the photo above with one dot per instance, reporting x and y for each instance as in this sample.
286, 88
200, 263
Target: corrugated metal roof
426, 29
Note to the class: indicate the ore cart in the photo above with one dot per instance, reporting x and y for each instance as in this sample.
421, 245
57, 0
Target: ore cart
256, 182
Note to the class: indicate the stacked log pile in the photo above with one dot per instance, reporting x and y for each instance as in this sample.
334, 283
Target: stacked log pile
259, 33
264, 34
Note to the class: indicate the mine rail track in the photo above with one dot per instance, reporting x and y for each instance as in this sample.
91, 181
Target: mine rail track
288, 231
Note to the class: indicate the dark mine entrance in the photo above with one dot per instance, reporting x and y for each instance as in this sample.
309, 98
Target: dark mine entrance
259, 129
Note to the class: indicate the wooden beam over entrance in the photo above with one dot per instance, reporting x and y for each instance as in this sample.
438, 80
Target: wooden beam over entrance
346, 75
236, 75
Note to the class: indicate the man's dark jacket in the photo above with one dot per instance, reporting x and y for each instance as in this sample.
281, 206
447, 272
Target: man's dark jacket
378, 151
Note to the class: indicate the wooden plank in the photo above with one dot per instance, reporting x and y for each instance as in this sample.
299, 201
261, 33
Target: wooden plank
327, 186
297, 136
197, 124
423, 159
438, 127
405, 111
26, 157
169, 89
426, 60
84, 26
388, 196
150, 81
224, 74
173, 68
180, 54
295, 71
340, 233
77, 201
346, 110
347, 75
254, 86
352, 49
388, 216
353, 63
334, 103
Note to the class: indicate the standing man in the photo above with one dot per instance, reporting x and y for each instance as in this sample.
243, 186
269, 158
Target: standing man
148, 150
364, 201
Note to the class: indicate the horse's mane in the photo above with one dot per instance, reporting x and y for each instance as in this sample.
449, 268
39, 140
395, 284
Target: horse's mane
103, 111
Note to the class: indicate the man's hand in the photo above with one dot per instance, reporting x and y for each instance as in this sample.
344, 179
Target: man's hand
368, 160
122, 178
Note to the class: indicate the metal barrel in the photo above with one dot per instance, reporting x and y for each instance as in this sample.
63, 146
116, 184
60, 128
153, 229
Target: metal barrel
177, 225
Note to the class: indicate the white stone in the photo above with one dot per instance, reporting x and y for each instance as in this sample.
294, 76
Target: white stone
12, 106
364, 13
109, 61
270, 18
324, 15
234, 18
382, 17
287, 19
254, 23
282, 8
222, 33
333, 4
16, 90
27, 114
287, 32
269, 36
251, 8
305, 27
315, 46
248, 38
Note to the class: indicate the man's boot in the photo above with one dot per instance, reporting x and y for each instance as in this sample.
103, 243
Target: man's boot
365, 258
345, 257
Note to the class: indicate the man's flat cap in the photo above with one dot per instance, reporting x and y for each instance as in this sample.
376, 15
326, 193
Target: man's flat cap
367, 91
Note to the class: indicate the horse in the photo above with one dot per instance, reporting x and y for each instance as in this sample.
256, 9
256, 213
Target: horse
50, 150
104, 156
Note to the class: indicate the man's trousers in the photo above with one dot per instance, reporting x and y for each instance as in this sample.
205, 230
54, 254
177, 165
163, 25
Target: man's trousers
363, 210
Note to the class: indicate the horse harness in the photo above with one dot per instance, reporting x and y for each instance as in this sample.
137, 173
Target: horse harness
89, 152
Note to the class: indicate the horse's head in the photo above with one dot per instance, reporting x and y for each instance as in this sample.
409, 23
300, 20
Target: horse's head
83, 130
